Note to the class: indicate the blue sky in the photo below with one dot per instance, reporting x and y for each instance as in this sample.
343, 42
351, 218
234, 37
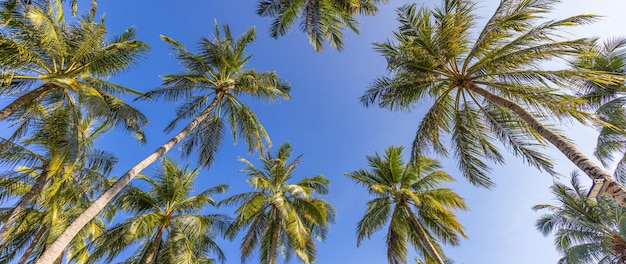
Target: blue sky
325, 121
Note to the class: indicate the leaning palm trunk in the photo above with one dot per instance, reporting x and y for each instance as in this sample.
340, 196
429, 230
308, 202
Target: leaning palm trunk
21, 205
57, 247
24, 99
425, 237
155, 245
612, 187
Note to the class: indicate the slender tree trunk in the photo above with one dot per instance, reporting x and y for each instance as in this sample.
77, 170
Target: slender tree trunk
21, 205
613, 188
273, 253
425, 237
24, 99
31, 247
57, 247
155, 245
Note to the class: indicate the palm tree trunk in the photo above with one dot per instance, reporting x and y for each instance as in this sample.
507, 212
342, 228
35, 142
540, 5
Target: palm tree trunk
273, 253
31, 247
21, 205
155, 245
24, 99
60, 258
56, 248
425, 237
613, 188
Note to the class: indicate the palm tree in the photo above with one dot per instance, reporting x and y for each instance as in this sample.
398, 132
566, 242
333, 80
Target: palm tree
410, 199
166, 220
51, 210
49, 63
280, 216
608, 101
322, 20
212, 81
586, 231
488, 88
57, 150
46, 219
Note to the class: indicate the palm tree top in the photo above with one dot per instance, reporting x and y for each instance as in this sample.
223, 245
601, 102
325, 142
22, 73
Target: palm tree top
51, 49
438, 47
585, 230
409, 197
214, 81
219, 66
282, 216
69, 63
167, 218
474, 78
323, 21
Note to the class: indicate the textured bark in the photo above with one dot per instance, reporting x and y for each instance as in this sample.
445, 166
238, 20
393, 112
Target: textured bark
273, 253
57, 247
613, 188
425, 237
21, 205
60, 258
24, 99
155, 245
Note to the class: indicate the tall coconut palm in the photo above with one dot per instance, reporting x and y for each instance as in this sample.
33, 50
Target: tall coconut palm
491, 87
322, 20
586, 231
211, 84
50, 63
166, 220
279, 215
58, 149
409, 197
608, 101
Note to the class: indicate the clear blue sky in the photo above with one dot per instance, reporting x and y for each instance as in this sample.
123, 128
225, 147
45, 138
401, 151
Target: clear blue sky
325, 121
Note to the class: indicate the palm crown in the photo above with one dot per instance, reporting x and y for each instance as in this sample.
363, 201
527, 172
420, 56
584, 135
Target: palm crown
410, 199
213, 81
280, 216
166, 219
586, 231
68, 63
